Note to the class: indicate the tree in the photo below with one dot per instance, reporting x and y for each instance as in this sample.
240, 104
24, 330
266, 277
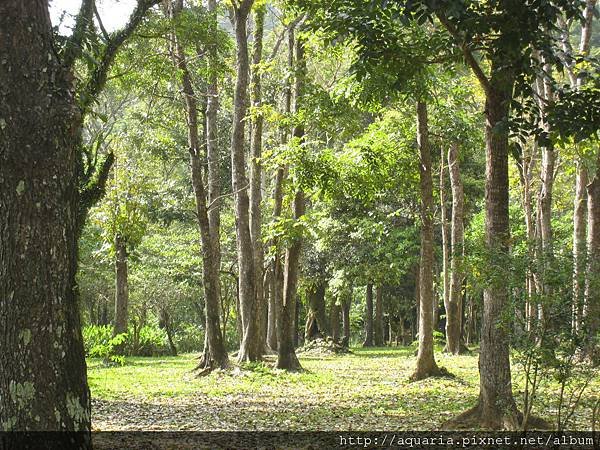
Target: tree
286, 355
378, 318
426, 365
256, 171
43, 205
454, 306
249, 304
368, 342
215, 354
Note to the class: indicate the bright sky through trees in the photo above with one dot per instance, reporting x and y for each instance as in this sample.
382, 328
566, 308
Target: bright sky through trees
114, 13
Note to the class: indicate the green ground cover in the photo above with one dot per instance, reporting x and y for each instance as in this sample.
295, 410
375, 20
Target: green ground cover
365, 390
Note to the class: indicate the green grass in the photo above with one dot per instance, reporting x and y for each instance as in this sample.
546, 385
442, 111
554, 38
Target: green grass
366, 390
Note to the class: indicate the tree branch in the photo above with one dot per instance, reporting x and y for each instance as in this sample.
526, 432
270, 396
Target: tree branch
82, 26
469, 58
94, 191
98, 78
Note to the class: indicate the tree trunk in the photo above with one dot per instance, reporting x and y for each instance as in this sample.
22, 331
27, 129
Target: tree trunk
496, 403
445, 243
544, 203
579, 244
317, 325
165, 324
368, 342
525, 175
346, 319
378, 320
121, 287
215, 354
496, 407
454, 309
250, 348
43, 384
334, 326
275, 299
286, 355
426, 365
288, 323
580, 207
591, 306
256, 174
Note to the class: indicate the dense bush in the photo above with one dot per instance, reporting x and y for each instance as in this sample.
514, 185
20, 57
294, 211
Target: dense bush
147, 341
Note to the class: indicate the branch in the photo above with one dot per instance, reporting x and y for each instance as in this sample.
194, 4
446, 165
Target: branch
469, 58
95, 190
99, 75
82, 24
100, 24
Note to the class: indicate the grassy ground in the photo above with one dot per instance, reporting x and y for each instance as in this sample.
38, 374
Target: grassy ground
365, 390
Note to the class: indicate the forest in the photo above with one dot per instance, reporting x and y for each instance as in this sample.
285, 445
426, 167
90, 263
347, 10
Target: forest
299, 216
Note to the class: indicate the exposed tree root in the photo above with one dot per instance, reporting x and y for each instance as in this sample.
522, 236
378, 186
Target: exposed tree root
208, 364
289, 362
432, 372
476, 418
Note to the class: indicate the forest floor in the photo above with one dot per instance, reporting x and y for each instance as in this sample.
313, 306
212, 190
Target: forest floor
365, 390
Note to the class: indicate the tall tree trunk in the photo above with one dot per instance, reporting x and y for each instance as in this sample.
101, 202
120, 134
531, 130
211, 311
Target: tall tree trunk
544, 203
286, 355
215, 354
368, 342
580, 207
496, 403
43, 384
121, 287
579, 244
526, 165
256, 174
250, 348
346, 302
334, 325
288, 323
378, 319
445, 242
454, 310
496, 406
426, 365
317, 325
591, 307
276, 297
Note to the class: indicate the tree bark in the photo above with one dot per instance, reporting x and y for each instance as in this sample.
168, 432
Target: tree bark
426, 365
43, 384
121, 287
334, 325
454, 310
445, 242
215, 354
346, 302
378, 337
368, 342
275, 299
580, 207
250, 348
256, 174
288, 323
286, 355
591, 306
317, 325
496, 407
579, 244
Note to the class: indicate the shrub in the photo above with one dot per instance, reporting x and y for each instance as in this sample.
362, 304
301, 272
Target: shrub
99, 342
